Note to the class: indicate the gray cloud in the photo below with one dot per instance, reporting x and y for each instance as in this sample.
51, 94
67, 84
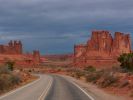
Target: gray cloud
46, 21
63, 36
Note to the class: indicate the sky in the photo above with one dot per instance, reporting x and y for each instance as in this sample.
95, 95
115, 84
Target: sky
54, 26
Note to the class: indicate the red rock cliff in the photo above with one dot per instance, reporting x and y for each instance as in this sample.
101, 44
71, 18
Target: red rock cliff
36, 57
13, 51
13, 47
102, 49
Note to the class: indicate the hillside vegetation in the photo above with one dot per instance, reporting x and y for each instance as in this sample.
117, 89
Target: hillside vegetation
118, 79
7, 78
11, 78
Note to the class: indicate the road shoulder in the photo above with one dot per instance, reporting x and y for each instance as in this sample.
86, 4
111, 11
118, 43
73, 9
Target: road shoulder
94, 91
21, 86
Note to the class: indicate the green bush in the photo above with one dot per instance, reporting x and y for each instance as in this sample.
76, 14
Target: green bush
93, 77
89, 69
126, 61
7, 79
10, 65
78, 74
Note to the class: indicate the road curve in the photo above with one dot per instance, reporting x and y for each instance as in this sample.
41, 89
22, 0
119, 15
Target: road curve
48, 87
64, 89
32, 91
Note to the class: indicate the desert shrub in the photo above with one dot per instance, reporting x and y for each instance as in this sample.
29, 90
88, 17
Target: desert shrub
116, 69
89, 69
30, 70
10, 65
4, 69
109, 80
79, 73
2, 83
124, 83
93, 77
126, 61
16, 80
7, 81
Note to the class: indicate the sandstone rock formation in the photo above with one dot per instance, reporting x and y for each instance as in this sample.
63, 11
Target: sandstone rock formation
14, 52
36, 57
13, 47
102, 49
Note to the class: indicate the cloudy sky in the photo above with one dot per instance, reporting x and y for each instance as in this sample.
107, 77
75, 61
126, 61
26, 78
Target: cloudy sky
54, 26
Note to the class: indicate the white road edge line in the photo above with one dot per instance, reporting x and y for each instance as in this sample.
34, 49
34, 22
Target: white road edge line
18, 89
79, 88
45, 92
83, 90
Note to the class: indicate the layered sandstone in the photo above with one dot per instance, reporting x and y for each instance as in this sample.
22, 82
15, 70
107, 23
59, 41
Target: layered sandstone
36, 57
13, 47
13, 51
102, 49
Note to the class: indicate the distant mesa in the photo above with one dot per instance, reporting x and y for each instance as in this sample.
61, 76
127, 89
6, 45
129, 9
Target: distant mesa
102, 49
13, 47
13, 51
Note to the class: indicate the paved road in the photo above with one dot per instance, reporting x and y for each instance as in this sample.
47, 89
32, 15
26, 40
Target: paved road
31, 91
48, 87
63, 89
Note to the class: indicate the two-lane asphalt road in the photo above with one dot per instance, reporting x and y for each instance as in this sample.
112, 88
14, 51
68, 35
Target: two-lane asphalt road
32, 91
49, 87
63, 89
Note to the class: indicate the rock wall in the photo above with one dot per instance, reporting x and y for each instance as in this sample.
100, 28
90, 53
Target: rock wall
102, 49
36, 57
13, 51
13, 47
